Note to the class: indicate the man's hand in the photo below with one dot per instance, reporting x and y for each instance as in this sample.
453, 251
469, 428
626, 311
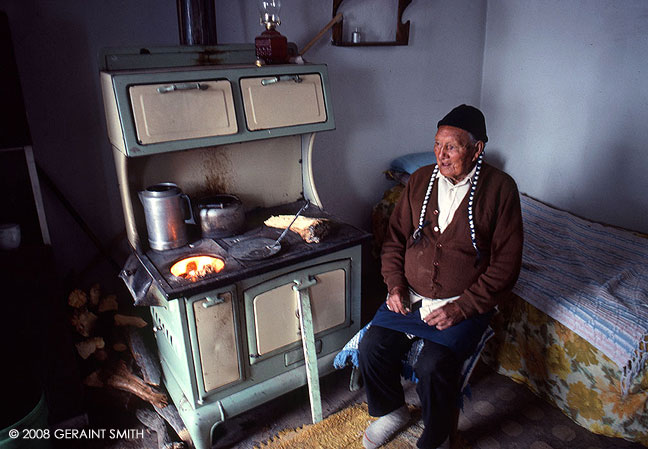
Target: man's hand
444, 317
398, 301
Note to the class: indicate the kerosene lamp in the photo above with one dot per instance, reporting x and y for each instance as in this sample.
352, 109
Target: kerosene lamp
271, 46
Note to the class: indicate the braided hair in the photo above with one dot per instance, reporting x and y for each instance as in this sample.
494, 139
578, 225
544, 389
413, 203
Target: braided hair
471, 199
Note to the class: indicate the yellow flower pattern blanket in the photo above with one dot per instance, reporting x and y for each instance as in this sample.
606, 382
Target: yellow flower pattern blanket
560, 366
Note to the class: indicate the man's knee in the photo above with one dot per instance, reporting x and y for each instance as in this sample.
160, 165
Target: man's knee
380, 344
370, 346
434, 360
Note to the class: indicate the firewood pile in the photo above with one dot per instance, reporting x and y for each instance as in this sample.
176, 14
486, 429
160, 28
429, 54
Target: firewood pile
114, 356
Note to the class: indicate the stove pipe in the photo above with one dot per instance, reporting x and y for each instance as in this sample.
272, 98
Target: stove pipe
197, 22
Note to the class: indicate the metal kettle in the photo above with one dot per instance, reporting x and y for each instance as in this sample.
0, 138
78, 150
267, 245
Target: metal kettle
167, 211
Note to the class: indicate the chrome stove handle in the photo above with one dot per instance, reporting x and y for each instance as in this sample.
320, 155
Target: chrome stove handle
210, 302
276, 79
300, 284
182, 86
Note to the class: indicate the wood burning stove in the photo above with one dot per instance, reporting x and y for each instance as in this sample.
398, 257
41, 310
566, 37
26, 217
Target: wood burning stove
243, 331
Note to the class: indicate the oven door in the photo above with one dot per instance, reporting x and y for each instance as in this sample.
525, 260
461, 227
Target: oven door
273, 325
214, 333
187, 110
286, 100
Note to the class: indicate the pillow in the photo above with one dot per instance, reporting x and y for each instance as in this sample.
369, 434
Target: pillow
409, 163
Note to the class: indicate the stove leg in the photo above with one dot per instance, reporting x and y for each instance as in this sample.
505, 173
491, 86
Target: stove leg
201, 434
201, 423
308, 342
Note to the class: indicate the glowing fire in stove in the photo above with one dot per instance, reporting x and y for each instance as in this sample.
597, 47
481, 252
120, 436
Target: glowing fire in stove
197, 267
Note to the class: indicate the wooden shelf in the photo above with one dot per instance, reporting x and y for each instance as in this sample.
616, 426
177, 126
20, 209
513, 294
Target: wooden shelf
402, 29
368, 44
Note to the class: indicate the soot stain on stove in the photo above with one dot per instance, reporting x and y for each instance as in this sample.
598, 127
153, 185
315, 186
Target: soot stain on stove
218, 170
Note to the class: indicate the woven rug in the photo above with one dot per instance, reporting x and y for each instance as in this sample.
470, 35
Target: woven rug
499, 414
343, 430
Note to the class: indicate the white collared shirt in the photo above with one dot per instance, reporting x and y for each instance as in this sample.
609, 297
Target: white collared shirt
451, 195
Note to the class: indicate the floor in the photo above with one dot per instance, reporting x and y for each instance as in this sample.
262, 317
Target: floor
287, 412
500, 414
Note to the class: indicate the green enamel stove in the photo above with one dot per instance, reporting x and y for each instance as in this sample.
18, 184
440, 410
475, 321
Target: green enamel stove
210, 121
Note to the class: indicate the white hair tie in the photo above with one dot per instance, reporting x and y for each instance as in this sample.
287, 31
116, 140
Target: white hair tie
416, 235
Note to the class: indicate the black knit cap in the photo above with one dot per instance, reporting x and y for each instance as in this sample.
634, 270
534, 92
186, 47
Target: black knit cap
468, 118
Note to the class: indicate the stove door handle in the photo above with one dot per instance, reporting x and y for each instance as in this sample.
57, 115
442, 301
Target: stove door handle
182, 86
210, 302
276, 79
301, 284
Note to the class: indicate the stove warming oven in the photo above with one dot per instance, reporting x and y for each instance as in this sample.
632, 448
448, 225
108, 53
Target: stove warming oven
212, 122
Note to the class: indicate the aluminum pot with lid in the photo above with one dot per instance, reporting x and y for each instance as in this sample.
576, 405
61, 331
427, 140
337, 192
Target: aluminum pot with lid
220, 215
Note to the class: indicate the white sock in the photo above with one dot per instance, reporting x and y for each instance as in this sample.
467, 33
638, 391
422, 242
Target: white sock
385, 427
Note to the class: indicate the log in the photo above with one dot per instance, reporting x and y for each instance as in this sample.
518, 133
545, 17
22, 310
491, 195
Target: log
84, 322
146, 360
89, 346
312, 230
154, 421
119, 347
129, 320
108, 303
123, 379
77, 298
171, 415
95, 294
94, 380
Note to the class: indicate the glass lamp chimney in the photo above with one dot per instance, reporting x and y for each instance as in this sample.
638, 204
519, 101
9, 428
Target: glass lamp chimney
269, 11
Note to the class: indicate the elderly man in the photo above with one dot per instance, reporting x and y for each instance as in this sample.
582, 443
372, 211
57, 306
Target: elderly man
452, 252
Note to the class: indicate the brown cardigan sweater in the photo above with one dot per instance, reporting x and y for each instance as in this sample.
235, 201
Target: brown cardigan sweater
441, 265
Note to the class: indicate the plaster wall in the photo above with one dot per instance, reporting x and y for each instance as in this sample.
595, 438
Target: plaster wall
566, 100
386, 100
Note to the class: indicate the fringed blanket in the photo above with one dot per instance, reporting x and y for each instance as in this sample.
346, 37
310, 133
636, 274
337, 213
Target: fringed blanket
591, 278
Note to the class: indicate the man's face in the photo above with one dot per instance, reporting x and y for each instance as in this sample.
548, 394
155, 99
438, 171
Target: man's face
454, 152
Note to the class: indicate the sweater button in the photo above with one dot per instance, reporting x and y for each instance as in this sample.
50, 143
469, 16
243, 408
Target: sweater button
438, 245
436, 212
436, 263
436, 229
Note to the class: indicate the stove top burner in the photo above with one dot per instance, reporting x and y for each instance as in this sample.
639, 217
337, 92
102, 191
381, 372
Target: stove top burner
293, 250
255, 249
163, 261
194, 268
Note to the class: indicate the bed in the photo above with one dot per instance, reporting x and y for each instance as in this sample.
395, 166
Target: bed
576, 330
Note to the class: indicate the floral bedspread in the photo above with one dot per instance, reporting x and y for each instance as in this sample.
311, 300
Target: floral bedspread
560, 366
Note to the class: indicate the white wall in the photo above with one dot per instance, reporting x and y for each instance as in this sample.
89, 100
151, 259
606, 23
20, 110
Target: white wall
566, 101
386, 100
